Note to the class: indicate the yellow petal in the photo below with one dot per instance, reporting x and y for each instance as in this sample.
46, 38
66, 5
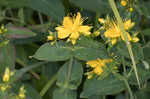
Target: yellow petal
135, 39
92, 63
67, 22
77, 20
101, 20
112, 33
128, 24
107, 60
73, 41
62, 33
85, 30
74, 35
129, 37
113, 41
98, 70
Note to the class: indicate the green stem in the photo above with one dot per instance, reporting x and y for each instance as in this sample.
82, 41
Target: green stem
41, 18
12, 19
129, 74
48, 85
124, 67
104, 97
128, 87
21, 15
69, 73
123, 78
120, 22
69, 69
24, 65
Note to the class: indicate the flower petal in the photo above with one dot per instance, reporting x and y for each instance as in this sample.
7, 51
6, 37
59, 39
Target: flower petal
74, 35
67, 22
93, 63
112, 33
129, 37
128, 24
85, 30
77, 20
62, 33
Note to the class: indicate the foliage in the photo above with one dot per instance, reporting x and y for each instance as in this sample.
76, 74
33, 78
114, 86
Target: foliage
74, 49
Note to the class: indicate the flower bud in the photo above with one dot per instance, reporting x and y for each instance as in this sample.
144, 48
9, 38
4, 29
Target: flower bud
123, 2
6, 76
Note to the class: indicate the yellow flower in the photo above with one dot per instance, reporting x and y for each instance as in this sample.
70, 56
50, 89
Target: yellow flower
113, 41
96, 33
135, 39
6, 75
50, 37
4, 87
101, 20
97, 66
22, 92
128, 24
73, 28
123, 2
131, 9
3, 29
98, 70
113, 31
89, 76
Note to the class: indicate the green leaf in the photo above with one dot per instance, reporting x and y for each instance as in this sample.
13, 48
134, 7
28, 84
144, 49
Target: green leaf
96, 97
52, 53
146, 50
21, 72
67, 94
7, 57
88, 49
52, 8
31, 93
107, 86
86, 54
14, 3
142, 94
121, 50
19, 32
144, 74
90, 43
146, 32
121, 96
100, 6
143, 8
21, 54
70, 75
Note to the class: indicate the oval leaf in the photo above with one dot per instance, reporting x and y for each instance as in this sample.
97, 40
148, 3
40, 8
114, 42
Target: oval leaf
52, 53
70, 75
108, 86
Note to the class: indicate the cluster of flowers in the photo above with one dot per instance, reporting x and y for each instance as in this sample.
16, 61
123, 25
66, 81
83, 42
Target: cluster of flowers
5, 86
126, 3
72, 28
3, 29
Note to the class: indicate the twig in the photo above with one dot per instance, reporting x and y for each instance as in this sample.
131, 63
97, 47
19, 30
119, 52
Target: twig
117, 15
24, 65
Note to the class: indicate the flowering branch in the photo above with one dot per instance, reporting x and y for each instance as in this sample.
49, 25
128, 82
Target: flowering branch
117, 15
